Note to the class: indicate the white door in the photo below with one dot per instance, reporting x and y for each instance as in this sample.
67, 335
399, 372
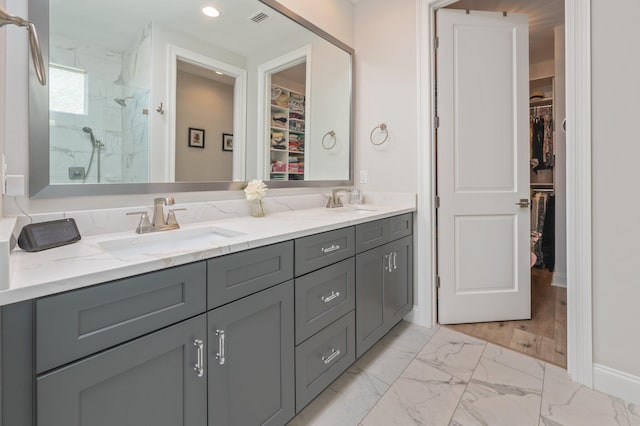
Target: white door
483, 166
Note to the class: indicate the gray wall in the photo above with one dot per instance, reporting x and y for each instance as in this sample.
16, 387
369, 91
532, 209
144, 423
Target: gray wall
203, 104
616, 149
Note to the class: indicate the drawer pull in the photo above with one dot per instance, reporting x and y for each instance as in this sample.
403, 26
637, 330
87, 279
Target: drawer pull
332, 247
329, 298
334, 354
199, 367
220, 354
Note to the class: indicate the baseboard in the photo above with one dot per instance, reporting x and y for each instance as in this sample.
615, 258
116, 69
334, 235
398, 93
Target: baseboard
418, 317
616, 383
559, 279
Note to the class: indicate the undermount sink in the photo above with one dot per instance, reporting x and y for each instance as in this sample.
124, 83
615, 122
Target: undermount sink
357, 209
176, 240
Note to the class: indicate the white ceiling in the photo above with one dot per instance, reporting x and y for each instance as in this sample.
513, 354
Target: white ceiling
544, 15
116, 24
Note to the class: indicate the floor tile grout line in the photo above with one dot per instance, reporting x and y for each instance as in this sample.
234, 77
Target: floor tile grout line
467, 385
544, 379
397, 378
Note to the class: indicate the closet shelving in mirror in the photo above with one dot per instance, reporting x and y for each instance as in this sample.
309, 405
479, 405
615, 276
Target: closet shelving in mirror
288, 126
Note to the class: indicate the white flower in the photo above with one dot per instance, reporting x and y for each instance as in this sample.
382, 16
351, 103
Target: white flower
255, 190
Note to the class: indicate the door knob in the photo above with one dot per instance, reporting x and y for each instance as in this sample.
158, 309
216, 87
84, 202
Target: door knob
524, 202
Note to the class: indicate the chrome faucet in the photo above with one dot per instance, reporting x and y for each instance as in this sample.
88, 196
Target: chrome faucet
158, 223
335, 200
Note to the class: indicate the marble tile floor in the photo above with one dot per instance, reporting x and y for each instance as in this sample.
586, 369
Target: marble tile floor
438, 376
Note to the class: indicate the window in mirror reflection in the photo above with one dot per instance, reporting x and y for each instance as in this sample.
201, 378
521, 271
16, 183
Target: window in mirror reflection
68, 90
98, 120
204, 100
288, 123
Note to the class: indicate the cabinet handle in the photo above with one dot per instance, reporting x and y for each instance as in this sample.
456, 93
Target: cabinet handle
334, 354
329, 298
332, 247
199, 367
395, 266
388, 259
220, 354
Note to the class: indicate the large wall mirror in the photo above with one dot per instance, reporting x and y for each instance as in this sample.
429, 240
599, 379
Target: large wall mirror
148, 96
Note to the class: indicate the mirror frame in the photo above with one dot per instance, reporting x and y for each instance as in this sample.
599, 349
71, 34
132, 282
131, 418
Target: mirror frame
39, 164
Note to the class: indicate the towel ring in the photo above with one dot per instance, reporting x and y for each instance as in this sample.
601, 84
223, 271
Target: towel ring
383, 128
332, 134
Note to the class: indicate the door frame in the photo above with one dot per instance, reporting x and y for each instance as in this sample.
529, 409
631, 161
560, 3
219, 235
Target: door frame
176, 53
578, 180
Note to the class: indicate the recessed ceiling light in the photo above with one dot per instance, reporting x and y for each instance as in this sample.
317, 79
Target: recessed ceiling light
219, 73
210, 11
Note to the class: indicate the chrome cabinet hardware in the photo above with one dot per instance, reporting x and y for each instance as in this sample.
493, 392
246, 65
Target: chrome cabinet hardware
333, 355
199, 367
332, 247
524, 202
329, 298
395, 266
220, 354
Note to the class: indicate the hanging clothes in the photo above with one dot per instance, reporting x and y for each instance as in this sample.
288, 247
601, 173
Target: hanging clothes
548, 245
537, 144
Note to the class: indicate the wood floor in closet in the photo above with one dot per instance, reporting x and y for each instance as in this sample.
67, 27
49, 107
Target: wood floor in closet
544, 336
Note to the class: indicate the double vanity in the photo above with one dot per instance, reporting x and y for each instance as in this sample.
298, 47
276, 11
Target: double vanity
244, 328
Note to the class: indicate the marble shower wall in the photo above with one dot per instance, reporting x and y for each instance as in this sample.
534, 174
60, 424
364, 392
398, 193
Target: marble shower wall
136, 76
111, 74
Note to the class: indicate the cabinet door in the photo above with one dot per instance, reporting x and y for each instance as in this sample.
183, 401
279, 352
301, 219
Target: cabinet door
398, 282
370, 267
148, 381
251, 359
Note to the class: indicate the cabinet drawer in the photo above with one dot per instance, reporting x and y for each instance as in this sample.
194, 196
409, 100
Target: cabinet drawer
400, 226
374, 234
371, 235
239, 274
317, 251
75, 324
324, 296
322, 358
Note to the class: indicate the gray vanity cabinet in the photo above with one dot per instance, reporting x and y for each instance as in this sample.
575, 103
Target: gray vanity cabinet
153, 380
384, 290
251, 359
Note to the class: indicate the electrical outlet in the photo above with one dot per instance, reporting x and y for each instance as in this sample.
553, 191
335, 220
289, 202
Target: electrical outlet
364, 176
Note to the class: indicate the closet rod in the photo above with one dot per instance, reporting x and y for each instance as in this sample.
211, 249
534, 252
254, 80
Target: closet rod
541, 106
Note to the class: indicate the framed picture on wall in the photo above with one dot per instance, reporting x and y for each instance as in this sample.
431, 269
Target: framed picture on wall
227, 142
196, 138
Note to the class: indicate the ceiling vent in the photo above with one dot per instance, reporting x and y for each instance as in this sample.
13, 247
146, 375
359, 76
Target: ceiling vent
259, 17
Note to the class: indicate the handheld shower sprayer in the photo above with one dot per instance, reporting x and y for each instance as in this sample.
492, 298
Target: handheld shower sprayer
89, 131
36, 53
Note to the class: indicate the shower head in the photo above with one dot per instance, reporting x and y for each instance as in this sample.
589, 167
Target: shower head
123, 101
90, 133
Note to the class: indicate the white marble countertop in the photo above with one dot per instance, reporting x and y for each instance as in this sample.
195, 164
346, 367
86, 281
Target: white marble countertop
86, 263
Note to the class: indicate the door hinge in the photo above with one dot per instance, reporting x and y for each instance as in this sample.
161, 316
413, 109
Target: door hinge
437, 281
437, 122
437, 201
436, 42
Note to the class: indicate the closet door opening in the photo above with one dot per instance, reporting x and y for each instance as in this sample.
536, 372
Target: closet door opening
544, 335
